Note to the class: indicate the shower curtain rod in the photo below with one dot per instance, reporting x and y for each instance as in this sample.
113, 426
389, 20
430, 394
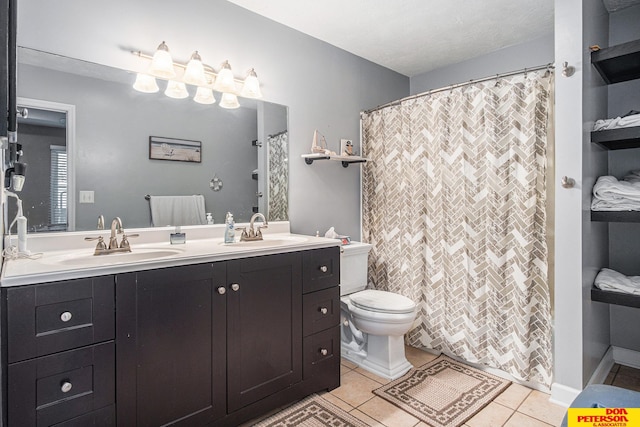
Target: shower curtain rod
277, 134
548, 66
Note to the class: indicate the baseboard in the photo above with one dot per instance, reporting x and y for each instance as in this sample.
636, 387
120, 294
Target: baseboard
563, 395
626, 357
604, 367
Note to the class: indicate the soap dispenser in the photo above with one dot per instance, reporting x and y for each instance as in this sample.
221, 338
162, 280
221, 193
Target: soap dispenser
229, 229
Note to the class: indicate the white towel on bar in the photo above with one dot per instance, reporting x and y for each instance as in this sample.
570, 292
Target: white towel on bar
609, 194
618, 122
177, 210
611, 280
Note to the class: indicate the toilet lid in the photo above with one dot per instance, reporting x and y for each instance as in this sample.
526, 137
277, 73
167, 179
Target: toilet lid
381, 301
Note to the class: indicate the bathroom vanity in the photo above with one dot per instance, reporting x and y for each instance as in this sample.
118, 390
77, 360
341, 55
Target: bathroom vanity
214, 335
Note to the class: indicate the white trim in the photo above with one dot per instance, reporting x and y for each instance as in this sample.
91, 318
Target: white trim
626, 357
70, 111
563, 395
604, 367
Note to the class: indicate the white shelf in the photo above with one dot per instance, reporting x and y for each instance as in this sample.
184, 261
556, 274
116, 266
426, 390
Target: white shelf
345, 160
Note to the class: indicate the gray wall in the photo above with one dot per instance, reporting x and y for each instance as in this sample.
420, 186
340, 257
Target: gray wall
624, 238
530, 54
324, 87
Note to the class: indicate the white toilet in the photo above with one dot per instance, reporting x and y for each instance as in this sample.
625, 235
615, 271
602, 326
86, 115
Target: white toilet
373, 322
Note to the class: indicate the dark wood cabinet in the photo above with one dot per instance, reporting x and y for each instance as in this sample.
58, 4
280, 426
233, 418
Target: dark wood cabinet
264, 327
171, 337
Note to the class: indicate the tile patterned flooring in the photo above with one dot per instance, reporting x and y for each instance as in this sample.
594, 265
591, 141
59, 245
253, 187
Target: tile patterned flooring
624, 376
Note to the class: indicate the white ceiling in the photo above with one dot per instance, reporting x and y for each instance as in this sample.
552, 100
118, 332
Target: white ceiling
413, 36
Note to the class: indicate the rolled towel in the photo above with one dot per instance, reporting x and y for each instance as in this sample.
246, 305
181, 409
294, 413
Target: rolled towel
611, 280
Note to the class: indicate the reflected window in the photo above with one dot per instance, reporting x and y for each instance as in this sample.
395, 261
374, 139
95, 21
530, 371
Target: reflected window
58, 187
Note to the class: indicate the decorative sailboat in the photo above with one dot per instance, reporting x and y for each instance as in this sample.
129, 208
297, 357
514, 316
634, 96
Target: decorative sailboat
319, 144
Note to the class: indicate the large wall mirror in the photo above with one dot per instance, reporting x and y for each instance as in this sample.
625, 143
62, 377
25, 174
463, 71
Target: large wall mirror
88, 147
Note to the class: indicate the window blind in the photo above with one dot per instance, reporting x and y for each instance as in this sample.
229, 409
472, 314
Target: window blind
58, 186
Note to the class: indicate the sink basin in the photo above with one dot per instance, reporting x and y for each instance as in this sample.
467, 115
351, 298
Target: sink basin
115, 258
267, 242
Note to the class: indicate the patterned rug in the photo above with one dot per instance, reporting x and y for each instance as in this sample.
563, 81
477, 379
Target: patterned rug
443, 392
313, 411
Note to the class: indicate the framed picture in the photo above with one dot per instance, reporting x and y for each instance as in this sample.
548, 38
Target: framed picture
181, 150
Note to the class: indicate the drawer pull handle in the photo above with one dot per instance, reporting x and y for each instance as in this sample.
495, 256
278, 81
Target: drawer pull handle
66, 316
222, 290
324, 268
235, 287
66, 387
323, 351
324, 310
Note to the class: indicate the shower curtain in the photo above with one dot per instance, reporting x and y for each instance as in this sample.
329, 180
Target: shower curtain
278, 187
454, 205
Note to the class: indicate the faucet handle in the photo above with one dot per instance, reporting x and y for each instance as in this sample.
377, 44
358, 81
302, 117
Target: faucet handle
101, 246
101, 222
244, 232
125, 241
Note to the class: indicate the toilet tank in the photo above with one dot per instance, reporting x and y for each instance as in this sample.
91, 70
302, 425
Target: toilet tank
353, 267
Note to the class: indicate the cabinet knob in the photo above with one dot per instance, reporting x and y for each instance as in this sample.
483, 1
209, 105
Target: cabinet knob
235, 287
324, 351
66, 316
222, 290
324, 310
324, 268
66, 387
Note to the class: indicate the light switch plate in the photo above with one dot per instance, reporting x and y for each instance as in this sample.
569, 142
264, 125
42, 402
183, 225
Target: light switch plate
86, 196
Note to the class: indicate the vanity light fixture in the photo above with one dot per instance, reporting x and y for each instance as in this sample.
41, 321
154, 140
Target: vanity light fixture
204, 95
229, 101
251, 87
162, 64
176, 90
145, 83
194, 73
198, 74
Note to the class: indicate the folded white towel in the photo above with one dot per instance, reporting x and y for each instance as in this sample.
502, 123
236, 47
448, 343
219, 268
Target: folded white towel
611, 280
177, 210
618, 122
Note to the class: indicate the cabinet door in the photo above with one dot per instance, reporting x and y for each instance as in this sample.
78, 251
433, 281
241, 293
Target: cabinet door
171, 348
264, 323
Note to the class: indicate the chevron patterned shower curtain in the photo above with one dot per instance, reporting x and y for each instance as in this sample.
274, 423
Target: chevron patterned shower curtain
454, 205
278, 206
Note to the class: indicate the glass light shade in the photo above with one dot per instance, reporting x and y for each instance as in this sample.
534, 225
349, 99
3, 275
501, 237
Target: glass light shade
251, 87
204, 95
229, 100
194, 74
162, 64
145, 83
176, 90
225, 81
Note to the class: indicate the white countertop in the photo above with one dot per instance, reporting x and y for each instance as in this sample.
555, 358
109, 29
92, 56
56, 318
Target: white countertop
73, 263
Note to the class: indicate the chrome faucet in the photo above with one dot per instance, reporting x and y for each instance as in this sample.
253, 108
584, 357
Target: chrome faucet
251, 234
116, 226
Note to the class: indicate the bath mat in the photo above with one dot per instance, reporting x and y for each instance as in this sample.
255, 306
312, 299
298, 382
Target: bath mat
314, 411
443, 392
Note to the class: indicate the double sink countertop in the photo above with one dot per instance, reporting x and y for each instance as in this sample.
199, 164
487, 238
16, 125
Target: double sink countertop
64, 256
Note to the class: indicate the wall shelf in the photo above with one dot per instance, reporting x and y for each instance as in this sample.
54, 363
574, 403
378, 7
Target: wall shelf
345, 160
615, 216
618, 63
616, 298
616, 139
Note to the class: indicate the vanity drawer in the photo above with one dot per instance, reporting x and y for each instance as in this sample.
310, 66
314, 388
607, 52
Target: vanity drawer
321, 310
322, 355
58, 388
320, 269
45, 319
105, 417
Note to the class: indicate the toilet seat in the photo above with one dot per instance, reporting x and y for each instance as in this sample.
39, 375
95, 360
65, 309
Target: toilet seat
382, 302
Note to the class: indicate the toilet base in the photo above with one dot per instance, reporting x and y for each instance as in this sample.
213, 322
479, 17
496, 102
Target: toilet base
384, 356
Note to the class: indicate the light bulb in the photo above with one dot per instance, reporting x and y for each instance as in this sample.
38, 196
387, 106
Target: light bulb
225, 81
194, 74
176, 90
251, 87
162, 64
145, 83
229, 101
204, 95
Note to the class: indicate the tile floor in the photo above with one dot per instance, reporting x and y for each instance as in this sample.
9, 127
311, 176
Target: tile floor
517, 406
624, 376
